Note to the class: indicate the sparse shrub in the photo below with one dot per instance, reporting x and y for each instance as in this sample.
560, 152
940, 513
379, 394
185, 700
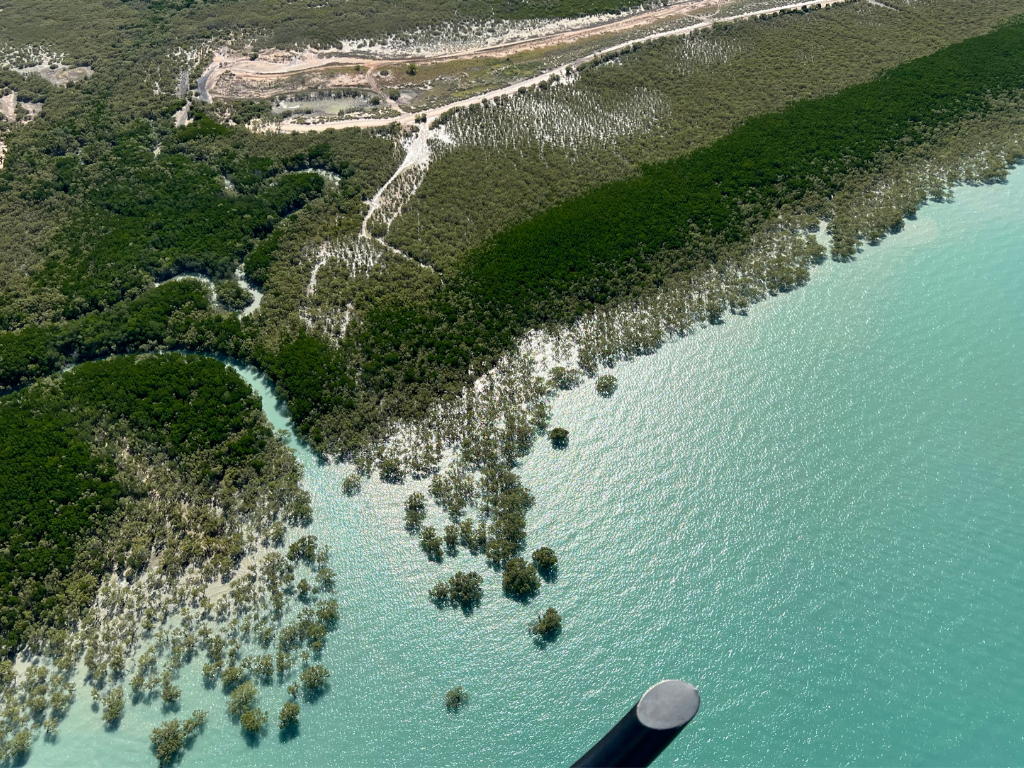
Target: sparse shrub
606, 385
113, 705
439, 592
431, 543
461, 589
453, 491
415, 511
169, 692
314, 678
232, 675
391, 471
352, 485
451, 538
242, 698
255, 720
500, 549
559, 437
464, 588
562, 378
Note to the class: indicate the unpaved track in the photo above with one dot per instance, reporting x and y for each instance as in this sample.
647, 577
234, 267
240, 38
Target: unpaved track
431, 114
316, 59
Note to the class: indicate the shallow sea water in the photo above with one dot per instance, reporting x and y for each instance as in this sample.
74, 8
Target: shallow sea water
814, 513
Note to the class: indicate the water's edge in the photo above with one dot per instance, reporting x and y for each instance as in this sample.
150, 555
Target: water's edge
812, 513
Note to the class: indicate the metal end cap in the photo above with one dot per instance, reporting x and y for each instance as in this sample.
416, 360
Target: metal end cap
667, 705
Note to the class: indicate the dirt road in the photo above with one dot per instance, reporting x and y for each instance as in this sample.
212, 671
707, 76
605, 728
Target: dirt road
289, 126
284, 63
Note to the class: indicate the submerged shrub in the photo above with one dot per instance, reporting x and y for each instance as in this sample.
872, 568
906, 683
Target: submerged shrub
255, 720
289, 716
455, 698
352, 485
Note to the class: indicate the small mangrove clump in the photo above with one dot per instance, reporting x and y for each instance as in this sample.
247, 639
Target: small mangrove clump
391, 471
415, 511
520, 579
170, 737
314, 678
241, 698
451, 538
562, 378
352, 485
289, 717
548, 624
455, 698
559, 437
254, 720
461, 589
606, 385
113, 705
544, 559
431, 543
453, 491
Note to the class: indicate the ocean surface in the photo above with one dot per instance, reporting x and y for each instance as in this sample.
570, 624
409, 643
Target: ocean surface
814, 513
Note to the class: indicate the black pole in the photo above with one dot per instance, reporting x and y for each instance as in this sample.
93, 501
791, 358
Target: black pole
646, 729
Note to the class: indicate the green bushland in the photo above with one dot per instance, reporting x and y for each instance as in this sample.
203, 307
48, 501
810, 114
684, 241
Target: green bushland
91, 216
174, 314
73, 506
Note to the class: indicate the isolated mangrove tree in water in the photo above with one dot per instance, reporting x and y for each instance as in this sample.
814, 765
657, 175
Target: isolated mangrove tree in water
544, 559
455, 698
548, 624
520, 579
606, 385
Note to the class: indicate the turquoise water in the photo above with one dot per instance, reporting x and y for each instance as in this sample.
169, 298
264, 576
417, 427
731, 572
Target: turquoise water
815, 514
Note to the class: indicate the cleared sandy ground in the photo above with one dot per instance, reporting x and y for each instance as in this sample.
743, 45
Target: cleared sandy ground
291, 126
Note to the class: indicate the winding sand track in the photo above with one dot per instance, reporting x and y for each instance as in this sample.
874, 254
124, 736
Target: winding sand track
407, 119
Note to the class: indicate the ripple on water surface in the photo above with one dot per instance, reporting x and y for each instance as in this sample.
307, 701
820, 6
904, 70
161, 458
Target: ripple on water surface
812, 513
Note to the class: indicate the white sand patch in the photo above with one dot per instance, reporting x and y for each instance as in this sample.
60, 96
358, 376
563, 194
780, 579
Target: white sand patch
8, 105
181, 118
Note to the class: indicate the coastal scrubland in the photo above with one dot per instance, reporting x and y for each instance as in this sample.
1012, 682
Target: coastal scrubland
640, 196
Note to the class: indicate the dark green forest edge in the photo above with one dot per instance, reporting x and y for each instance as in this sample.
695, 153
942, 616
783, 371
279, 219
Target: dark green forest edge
161, 470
